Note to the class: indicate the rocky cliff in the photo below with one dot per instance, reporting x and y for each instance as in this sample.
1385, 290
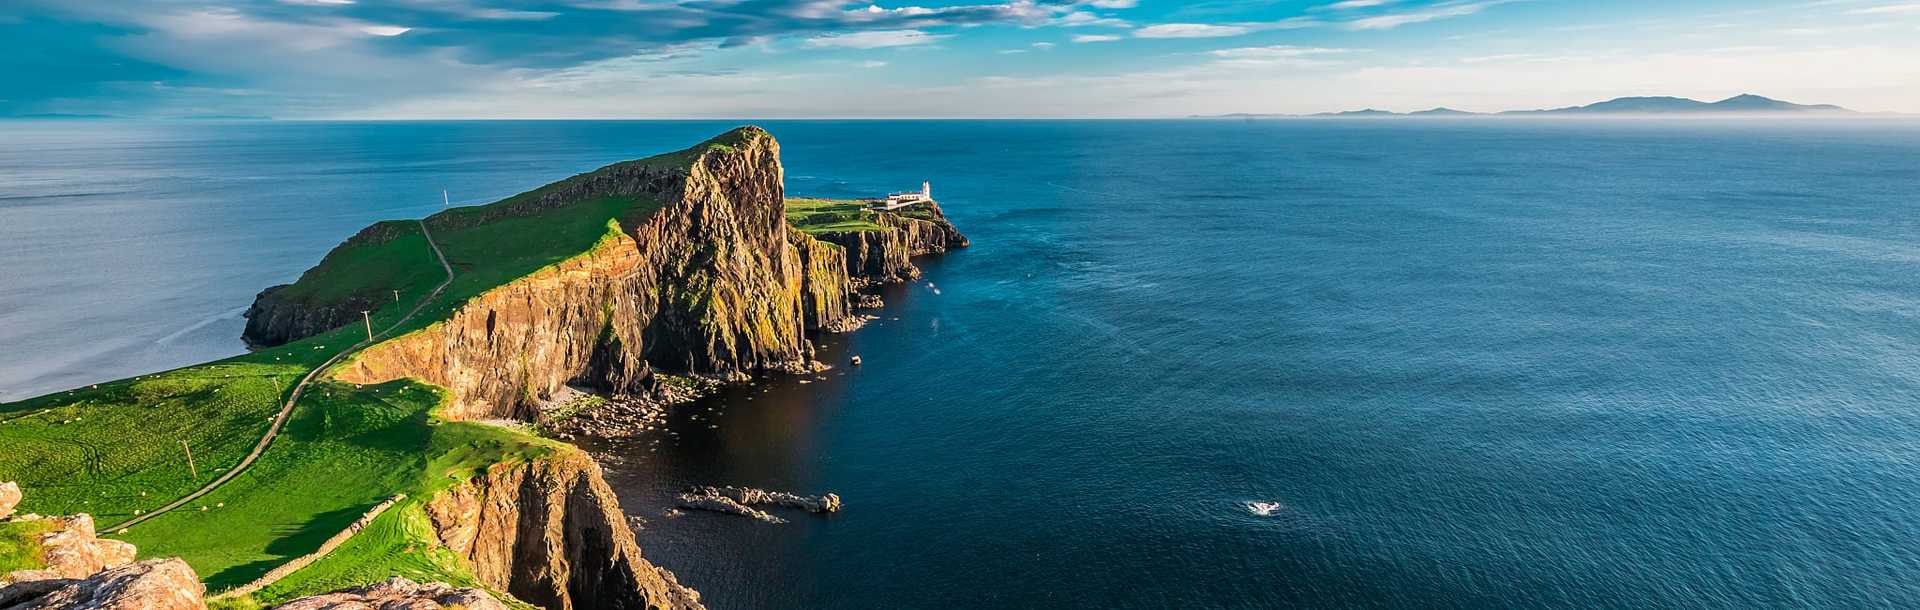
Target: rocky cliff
883, 256
550, 533
278, 316
713, 283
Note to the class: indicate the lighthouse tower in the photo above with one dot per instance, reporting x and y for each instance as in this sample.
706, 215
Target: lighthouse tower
926, 191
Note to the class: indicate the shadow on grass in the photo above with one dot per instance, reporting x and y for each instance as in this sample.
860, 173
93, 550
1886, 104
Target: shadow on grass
297, 541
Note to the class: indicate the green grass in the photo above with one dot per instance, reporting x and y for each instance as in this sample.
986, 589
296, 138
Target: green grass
816, 216
370, 268
389, 546
346, 449
20, 545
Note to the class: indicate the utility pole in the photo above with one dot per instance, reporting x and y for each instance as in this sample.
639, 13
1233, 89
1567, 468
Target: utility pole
190, 467
369, 320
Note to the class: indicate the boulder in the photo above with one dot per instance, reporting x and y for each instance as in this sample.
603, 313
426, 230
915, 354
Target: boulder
72, 552
159, 584
398, 594
9, 498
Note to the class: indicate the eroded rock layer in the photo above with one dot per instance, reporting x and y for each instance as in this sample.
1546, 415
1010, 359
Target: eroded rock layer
550, 533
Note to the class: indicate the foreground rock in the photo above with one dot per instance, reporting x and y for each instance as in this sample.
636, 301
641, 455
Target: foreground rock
158, 584
9, 498
741, 500
398, 594
71, 550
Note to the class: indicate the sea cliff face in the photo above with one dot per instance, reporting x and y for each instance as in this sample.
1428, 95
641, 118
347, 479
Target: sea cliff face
714, 283
883, 256
550, 533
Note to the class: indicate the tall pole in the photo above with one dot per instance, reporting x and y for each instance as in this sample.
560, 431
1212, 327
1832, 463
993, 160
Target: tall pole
190, 467
444, 202
369, 320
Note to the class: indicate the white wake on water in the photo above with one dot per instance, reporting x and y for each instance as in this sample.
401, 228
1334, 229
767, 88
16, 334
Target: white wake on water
1263, 509
201, 324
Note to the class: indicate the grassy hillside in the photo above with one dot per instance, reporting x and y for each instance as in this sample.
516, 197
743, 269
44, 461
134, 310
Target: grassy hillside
816, 216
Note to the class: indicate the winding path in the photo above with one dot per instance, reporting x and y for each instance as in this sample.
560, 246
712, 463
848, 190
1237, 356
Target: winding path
286, 409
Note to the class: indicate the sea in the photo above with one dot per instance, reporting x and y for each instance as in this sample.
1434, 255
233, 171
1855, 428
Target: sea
1185, 364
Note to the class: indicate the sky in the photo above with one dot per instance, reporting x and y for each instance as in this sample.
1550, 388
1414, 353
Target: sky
399, 59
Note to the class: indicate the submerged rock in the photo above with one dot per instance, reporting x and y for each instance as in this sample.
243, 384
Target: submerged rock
723, 504
741, 500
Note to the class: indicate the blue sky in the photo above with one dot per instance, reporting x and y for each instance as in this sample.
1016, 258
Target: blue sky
812, 58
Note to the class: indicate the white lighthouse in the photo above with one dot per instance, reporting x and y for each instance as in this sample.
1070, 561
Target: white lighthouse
896, 201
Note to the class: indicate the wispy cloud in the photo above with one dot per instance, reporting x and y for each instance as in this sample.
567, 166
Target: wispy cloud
1084, 38
877, 39
1275, 51
1889, 9
1422, 15
1222, 30
1191, 30
1354, 4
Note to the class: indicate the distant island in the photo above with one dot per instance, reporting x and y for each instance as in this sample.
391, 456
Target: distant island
1744, 104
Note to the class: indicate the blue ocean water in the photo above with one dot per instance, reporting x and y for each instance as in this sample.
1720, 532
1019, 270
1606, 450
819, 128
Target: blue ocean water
1475, 363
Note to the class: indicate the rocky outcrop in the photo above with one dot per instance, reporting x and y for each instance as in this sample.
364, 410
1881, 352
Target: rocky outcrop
741, 500
883, 256
550, 533
398, 594
70, 550
827, 503
9, 498
159, 584
278, 317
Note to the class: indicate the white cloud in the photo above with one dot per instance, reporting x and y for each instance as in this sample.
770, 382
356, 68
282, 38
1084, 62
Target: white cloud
1043, 45
1083, 18
1353, 4
1113, 3
1191, 30
1431, 13
875, 39
1095, 38
1273, 52
873, 64
384, 30
1890, 9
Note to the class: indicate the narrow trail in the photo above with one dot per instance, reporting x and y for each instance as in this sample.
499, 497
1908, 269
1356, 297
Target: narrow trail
286, 409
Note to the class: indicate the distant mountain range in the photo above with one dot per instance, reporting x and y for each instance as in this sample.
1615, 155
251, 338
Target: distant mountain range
1745, 104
